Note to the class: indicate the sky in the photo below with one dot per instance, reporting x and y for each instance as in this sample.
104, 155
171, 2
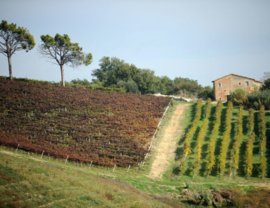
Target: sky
200, 40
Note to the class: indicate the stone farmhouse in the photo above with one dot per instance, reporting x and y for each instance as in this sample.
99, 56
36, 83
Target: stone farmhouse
224, 85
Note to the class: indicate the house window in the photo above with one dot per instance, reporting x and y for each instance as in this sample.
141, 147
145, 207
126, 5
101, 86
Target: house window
220, 98
220, 84
239, 83
247, 83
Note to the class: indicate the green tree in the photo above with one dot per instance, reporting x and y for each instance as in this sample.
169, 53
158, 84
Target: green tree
14, 39
61, 49
207, 92
185, 87
266, 84
102, 73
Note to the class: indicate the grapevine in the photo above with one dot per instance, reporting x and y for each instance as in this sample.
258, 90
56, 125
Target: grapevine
190, 134
199, 144
225, 139
212, 141
263, 141
237, 143
107, 128
249, 150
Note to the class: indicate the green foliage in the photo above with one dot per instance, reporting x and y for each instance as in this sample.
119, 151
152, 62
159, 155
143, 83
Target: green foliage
63, 51
249, 151
262, 130
14, 39
208, 108
113, 70
212, 141
130, 86
239, 96
194, 124
252, 100
199, 142
190, 134
225, 139
207, 92
251, 120
18, 38
238, 139
262, 125
266, 84
256, 99
185, 87
77, 83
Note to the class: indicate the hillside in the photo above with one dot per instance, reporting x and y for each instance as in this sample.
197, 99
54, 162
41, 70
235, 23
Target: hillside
35, 180
94, 127
29, 181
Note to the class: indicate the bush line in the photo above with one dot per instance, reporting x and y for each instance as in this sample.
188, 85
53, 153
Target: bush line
212, 141
199, 145
190, 134
262, 127
238, 139
225, 139
249, 150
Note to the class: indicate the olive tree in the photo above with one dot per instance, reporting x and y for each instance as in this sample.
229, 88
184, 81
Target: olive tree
14, 39
63, 51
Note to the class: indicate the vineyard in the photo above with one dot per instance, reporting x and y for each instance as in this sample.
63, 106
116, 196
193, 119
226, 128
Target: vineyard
225, 140
102, 128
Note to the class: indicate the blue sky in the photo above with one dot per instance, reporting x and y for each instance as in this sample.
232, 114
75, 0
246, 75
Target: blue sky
201, 40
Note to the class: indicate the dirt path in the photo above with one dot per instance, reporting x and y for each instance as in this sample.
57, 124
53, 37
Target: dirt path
166, 148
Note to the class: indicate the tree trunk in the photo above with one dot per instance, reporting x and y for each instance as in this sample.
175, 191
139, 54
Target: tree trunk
62, 75
10, 68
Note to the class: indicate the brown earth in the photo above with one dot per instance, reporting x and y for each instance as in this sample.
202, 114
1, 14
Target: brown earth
165, 149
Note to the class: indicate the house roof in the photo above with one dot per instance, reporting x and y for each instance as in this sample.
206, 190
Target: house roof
237, 76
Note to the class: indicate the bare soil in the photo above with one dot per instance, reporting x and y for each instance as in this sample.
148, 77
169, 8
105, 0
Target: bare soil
165, 150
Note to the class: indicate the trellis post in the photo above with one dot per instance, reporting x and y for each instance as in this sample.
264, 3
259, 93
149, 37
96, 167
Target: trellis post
90, 164
17, 147
66, 160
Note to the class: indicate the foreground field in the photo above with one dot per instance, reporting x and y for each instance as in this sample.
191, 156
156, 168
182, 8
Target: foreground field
28, 181
94, 127
35, 181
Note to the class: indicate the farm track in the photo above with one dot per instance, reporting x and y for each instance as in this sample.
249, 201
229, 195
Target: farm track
165, 149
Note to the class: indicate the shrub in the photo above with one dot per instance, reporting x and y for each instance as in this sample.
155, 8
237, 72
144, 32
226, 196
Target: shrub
130, 86
256, 99
239, 96
251, 100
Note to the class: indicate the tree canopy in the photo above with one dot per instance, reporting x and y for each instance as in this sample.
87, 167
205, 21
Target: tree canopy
14, 39
266, 84
63, 51
113, 72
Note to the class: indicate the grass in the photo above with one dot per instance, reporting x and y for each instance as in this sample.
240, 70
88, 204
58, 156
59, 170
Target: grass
29, 181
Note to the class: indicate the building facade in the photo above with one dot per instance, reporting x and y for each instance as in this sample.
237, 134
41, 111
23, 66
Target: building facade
224, 85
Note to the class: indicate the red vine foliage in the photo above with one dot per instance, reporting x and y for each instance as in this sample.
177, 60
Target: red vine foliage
107, 128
